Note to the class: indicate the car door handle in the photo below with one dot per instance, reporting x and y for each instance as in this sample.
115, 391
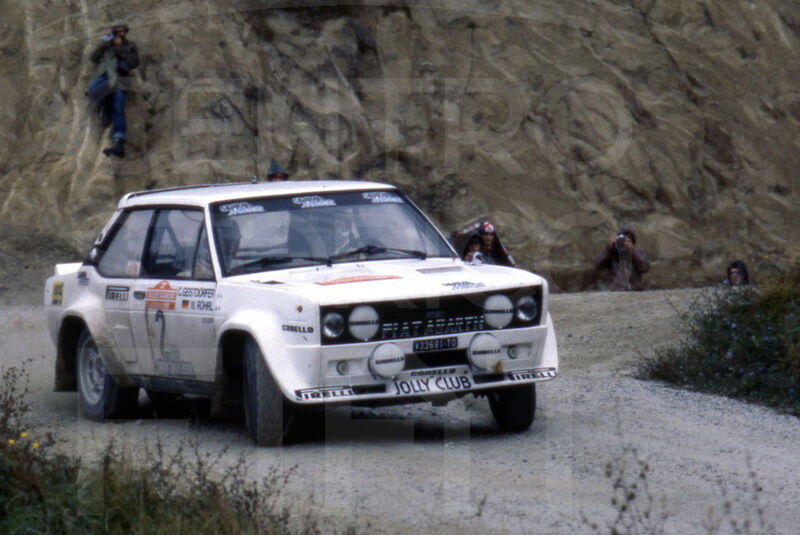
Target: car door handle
138, 294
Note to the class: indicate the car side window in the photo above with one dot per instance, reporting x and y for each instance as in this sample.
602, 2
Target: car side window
203, 270
170, 253
123, 254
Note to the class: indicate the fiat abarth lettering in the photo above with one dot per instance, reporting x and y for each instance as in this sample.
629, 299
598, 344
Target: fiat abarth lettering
276, 298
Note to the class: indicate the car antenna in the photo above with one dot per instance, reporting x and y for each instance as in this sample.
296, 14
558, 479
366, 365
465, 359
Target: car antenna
254, 180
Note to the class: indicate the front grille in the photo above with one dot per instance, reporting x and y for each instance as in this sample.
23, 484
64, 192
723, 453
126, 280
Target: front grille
417, 318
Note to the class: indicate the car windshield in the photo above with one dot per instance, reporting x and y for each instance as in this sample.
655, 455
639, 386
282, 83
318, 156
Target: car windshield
324, 228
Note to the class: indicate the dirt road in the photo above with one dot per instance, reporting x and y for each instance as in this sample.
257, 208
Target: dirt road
420, 468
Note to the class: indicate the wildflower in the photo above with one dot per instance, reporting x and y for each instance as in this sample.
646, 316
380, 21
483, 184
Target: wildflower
35, 445
10, 441
23, 434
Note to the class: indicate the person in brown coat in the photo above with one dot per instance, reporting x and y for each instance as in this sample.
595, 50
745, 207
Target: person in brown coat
624, 261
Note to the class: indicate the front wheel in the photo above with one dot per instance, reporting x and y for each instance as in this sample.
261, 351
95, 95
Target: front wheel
100, 395
515, 407
266, 412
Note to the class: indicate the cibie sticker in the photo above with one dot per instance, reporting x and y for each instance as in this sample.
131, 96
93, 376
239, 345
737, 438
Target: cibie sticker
382, 197
240, 208
313, 201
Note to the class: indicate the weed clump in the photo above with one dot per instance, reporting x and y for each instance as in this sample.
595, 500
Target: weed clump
184, 491
741, 342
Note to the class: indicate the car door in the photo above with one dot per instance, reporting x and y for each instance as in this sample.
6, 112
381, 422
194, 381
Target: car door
173, 310
117, 273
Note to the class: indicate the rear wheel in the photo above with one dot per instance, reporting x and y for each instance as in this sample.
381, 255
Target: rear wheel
100, 394
267, 414
515, 407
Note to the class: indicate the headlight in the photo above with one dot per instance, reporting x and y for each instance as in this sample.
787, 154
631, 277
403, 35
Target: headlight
363, 322
498, 311
333, 325
527, 309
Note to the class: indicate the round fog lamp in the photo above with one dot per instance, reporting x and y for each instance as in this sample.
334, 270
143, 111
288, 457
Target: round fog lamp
333, 325
363, 322
498, 311
527, 308
387, 360
484, 351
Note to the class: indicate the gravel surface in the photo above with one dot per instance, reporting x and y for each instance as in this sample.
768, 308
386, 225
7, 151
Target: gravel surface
441, 469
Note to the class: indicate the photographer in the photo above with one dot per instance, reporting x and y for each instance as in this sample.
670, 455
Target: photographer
115, 57
625, 262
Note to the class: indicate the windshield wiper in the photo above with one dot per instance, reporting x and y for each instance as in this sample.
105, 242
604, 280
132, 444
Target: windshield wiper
270, 260
375, 249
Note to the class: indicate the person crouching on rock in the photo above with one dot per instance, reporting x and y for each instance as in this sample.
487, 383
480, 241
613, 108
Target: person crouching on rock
115, 57
625, 263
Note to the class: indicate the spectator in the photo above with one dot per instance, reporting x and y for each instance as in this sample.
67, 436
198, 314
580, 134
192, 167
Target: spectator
624, 261
737, 273
115, 58
277, 173
472, 251
492, 249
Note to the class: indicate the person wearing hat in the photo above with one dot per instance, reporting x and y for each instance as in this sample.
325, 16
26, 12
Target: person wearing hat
115, 58
492, 250
277, 173
624, 262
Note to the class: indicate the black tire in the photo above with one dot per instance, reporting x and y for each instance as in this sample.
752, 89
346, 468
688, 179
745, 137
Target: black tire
100, 395
515, 407
267, 413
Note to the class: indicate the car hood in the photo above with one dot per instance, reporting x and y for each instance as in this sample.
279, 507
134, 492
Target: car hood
385, 280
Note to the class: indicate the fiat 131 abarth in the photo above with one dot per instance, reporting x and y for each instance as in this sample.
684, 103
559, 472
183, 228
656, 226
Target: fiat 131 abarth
273, 298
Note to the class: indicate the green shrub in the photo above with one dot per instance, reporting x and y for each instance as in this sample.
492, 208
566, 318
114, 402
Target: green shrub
741, 342
186, 491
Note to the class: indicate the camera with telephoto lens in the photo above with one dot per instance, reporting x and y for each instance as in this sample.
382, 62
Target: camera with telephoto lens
621, 241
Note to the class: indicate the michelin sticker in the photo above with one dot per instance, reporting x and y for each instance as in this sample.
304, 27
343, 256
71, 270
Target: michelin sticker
240, 208
382, 197
313, 201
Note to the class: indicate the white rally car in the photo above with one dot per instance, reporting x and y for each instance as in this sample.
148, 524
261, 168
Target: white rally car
280, 296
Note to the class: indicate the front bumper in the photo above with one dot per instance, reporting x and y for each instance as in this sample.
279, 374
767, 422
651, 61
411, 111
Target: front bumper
346, 376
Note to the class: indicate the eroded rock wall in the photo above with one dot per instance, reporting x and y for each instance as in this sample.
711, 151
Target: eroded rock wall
555, 119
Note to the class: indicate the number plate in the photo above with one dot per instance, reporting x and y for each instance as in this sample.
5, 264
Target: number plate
435, 344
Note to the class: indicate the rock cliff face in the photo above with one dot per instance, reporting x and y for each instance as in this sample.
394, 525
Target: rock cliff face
555, 119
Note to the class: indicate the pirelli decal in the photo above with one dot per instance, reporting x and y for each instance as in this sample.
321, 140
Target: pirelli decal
117, 293
532, 375
332, 392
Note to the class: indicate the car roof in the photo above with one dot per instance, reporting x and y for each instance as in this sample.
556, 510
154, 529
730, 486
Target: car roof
204, 194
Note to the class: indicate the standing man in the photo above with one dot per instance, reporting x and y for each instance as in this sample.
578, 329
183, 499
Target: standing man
624, 262
115, 57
